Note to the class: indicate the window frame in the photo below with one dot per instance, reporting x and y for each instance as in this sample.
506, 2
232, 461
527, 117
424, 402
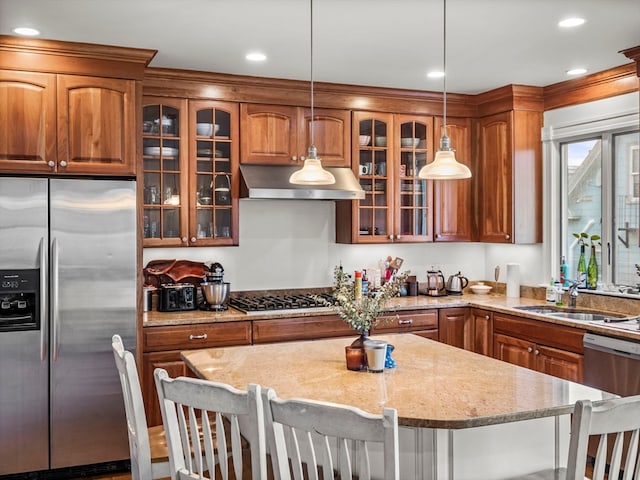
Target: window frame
590, 120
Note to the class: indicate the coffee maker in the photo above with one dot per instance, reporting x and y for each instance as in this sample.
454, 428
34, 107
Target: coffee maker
215, 291
435, 284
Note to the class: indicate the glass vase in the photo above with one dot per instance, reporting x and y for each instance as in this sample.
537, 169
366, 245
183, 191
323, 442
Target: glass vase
592, 270
581, 276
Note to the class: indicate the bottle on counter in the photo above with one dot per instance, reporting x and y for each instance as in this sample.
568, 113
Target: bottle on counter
357, 285
581, 276
564, 272
365, 282
551, 292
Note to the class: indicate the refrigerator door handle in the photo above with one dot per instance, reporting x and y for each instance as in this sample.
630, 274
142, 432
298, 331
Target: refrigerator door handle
55, 321
43, 300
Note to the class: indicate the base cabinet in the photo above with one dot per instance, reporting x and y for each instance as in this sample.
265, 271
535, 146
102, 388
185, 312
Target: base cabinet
552, 349
162, 347
468, 328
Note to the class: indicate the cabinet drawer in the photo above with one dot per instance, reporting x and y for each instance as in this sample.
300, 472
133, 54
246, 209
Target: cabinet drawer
300, 328
186, 337
410, 320
550, 334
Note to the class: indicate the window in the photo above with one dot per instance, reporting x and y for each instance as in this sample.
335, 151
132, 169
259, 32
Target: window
599, 195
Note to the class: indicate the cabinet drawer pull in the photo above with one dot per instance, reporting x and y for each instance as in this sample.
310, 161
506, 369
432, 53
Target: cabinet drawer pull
408, 321
198, 337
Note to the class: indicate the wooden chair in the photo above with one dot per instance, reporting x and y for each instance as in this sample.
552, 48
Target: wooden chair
147, 446
609, 421
308, 438
187, 402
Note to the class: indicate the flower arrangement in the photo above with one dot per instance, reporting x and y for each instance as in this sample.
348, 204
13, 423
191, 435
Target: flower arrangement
365, 312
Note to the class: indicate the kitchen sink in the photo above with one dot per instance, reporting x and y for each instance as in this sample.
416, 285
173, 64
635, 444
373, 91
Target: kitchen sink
575, 313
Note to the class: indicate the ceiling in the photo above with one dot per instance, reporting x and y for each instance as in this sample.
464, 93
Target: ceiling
490, 43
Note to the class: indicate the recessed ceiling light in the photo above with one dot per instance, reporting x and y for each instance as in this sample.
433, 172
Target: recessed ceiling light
571, 22
576, 71
435, 74
256, 57
26, 31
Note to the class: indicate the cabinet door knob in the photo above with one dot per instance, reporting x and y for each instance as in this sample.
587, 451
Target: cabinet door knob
193, 239
397, 237
487, 317
51, 163
184, 239
390, 237
63, 163
198, 337
529, 349
507, 236
537, 352
408, 321
294, 158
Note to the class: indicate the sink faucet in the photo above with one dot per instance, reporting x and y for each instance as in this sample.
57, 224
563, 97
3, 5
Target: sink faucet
573, 293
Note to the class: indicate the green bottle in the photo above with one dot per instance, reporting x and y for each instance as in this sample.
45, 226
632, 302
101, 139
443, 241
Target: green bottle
592, 270
581, 276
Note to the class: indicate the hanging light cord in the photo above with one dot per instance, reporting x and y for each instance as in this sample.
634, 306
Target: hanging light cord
444, 65
311, 71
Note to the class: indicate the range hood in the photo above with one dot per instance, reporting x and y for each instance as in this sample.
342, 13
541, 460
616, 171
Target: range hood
272, 181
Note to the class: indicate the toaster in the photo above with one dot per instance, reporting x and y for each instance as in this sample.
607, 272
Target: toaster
176, 297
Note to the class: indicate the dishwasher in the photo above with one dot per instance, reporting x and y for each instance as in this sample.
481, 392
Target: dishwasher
612, 365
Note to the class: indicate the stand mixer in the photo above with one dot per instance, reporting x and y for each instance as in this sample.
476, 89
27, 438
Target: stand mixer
214, 290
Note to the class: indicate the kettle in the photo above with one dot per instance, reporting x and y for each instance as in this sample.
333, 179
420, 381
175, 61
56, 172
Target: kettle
456, 283
435, 283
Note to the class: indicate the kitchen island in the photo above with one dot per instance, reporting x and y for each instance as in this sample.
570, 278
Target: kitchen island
462, 415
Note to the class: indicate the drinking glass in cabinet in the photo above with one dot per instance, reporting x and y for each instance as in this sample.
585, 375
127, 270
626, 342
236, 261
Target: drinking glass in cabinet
171, 223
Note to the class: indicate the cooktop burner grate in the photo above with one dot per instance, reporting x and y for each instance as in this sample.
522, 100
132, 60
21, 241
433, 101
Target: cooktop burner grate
276, 302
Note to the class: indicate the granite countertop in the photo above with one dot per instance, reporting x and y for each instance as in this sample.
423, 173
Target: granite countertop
493, 302
457, 389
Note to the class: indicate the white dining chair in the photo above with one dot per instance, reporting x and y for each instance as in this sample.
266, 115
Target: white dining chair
147, 446
608, 422
217, 452
308, 438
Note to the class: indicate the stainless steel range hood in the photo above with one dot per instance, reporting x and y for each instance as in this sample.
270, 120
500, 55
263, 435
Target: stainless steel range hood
271, 181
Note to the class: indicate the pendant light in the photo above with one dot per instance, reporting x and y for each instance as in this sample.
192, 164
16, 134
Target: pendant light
312, 172
445, 166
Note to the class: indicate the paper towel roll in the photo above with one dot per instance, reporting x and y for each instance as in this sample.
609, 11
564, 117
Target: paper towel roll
513, 280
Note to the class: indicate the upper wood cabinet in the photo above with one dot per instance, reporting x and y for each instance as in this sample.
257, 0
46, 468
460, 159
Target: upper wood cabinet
508, 179
69, 124
281, 135
452, 207
190, 172
390, 150
77, 120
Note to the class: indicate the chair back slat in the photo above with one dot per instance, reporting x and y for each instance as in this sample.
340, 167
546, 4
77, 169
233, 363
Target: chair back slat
615, 422
142, 467
188, 405
336, 434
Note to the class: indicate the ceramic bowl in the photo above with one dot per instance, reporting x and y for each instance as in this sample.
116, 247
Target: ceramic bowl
207, 129
409, 142
480, 288
364, 140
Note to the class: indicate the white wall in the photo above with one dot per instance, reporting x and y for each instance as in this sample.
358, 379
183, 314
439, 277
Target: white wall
291, 244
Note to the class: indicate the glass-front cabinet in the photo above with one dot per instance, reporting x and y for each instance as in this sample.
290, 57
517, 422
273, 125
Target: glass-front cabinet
164, 163
190, 172
414, 212
214, 176
390, 150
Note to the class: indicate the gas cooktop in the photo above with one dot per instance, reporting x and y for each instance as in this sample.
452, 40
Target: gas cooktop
264, 303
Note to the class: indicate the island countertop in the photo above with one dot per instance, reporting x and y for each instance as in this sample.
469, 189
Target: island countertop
434, 385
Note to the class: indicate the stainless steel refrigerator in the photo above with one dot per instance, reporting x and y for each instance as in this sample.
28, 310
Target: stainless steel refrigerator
67, 284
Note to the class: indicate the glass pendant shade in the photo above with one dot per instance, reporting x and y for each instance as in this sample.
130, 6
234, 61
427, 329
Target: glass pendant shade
444, 166
312, 172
